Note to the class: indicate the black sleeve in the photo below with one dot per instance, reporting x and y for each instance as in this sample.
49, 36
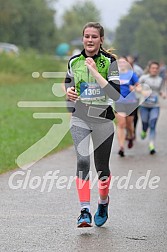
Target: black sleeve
69, 80
113, 87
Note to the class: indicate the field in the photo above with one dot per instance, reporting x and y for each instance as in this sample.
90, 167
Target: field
18, 129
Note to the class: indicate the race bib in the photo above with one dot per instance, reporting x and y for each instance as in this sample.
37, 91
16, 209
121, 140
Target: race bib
152, 99
91, 91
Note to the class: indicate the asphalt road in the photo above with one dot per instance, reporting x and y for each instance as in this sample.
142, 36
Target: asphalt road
44, 219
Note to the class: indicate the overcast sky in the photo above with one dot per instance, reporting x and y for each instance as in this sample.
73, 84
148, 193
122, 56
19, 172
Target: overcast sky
111, 10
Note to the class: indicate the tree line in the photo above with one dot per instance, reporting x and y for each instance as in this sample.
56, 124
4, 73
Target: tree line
31, 24
143, 31
27, 23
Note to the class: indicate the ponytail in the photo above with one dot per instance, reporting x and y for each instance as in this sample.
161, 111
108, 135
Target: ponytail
109, 51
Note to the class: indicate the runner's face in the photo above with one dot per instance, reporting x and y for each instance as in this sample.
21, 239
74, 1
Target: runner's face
123, 65
154, 70
92, 41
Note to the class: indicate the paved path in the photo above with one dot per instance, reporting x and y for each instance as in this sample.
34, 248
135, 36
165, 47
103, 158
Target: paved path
31, 220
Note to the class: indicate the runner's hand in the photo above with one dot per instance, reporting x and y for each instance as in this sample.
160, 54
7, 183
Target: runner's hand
89, 62
71, 94
163, 95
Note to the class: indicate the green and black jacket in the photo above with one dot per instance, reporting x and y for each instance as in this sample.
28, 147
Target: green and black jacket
90, 93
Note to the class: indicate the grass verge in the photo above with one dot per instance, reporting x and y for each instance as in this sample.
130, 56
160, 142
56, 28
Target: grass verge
19, 130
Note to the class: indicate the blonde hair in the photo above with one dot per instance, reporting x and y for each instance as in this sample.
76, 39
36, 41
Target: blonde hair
110, 51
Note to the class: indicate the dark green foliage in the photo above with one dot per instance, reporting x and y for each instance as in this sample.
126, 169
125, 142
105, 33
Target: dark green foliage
28, 24
144, 31
76, 17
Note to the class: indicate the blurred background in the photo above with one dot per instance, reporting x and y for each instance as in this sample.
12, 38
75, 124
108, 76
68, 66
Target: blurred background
40, 36
55, 27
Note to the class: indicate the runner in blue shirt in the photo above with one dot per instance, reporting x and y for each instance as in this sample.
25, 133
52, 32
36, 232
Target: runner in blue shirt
126, 104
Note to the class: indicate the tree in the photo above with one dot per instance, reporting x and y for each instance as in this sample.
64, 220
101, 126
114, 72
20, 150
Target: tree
148, 42
28, 24
75, 18
124, 35
145, 23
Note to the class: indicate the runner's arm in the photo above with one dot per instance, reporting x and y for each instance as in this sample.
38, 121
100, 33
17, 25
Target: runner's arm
111, 86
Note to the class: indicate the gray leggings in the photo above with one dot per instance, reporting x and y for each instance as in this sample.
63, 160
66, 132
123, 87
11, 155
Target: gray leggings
102, 137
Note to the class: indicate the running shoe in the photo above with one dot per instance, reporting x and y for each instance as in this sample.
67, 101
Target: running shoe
121, 152
85, 218
152, 149
130, 143
143, 134
101, 215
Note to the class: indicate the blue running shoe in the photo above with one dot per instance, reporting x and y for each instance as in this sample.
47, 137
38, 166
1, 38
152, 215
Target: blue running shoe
85, 219
101, 215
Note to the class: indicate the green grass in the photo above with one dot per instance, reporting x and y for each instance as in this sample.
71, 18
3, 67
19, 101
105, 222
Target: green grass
19, 130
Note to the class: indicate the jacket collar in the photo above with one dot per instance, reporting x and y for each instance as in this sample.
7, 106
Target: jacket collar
93, 57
